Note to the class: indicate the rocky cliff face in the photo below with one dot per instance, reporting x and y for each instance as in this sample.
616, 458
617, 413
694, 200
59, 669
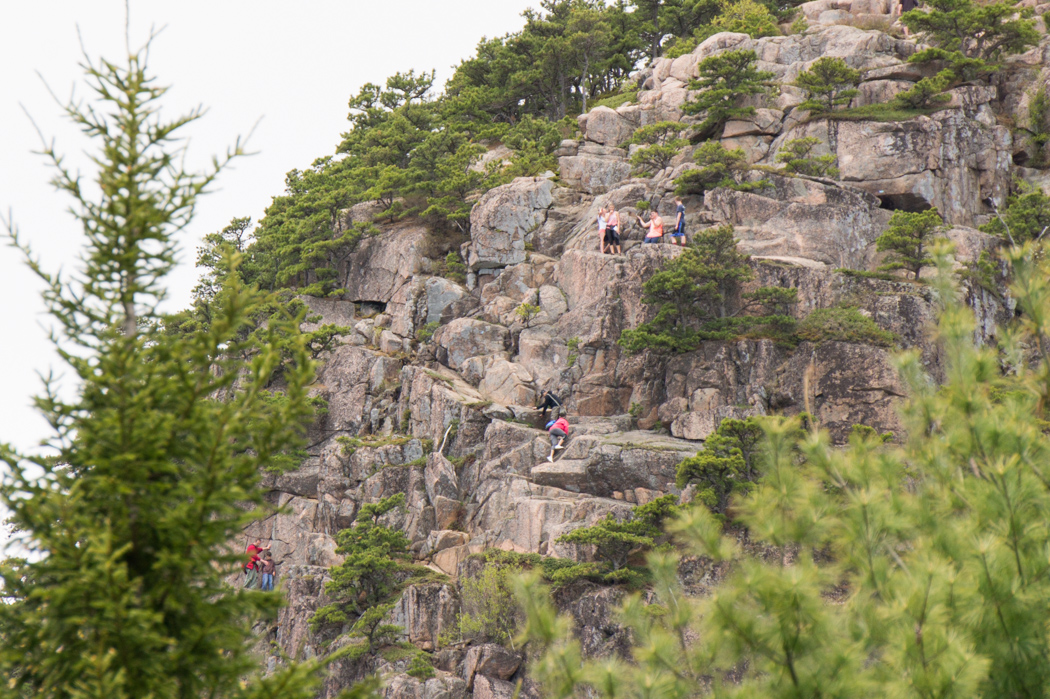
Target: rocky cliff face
448, 419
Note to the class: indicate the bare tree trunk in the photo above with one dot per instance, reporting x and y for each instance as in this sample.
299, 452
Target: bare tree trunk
583, 80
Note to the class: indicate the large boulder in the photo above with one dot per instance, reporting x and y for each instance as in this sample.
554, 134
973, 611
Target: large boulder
596, 169
945, 161
603, 125
491, 660
464, 338
507, 383
426, 611
425, 300
382, 264
801, 217
504, 218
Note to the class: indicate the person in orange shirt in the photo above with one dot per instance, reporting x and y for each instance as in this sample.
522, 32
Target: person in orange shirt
655, 225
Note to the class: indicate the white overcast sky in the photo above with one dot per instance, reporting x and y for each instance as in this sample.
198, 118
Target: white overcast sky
292, 64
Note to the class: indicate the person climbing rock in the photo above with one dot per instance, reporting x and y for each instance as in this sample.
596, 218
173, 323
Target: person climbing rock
678, 236
612, 232
602, 227
251, 568
655, 225
268, 569
558, 430
548, 401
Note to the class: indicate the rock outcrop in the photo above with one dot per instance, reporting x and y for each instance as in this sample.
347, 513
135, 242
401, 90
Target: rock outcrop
432, 393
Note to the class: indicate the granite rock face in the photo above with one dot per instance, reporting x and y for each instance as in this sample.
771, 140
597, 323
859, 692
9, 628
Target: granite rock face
504, 219
432, 393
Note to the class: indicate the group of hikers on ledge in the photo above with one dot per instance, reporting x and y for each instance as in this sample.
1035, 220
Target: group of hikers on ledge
609, 228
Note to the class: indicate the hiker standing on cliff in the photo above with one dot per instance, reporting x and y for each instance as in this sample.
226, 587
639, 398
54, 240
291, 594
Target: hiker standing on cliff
612, 232
268, 568
902, 7
251, 568
558, 430
655, 225
548, 401
678, 236
602, 226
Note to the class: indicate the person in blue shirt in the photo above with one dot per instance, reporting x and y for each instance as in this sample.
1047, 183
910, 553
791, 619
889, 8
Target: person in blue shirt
678, 236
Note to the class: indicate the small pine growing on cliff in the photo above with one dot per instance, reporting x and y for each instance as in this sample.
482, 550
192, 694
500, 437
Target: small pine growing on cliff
724, 79
159, 448
971, 37
797, 157
699, 296
908, 239
726, 465
368, 573
719, 167
616, 540
660, 143
828, 83
1025, 217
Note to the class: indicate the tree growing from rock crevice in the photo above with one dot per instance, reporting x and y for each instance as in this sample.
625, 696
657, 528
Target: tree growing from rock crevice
971, 37
719, 167
828, 83
724, 81
369, 571
615, 540
699, 296
908, 240
726, 465
796, 155
660, 143
1025, 216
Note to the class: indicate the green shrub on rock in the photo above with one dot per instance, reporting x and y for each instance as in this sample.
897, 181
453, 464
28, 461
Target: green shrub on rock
488, 611
368, 574
1025, 217
698, 295
724, 80
615, 541
796, 157
719, 167
660, 144
843, 324
726, 464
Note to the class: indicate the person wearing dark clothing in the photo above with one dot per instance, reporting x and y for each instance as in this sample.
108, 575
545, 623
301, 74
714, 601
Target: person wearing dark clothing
548, 401
905, 6
678, 236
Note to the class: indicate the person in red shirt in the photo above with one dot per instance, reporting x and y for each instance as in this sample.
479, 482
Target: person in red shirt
558, 430
251, 568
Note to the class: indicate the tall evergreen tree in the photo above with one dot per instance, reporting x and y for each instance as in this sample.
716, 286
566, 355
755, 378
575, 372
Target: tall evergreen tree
127, 529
